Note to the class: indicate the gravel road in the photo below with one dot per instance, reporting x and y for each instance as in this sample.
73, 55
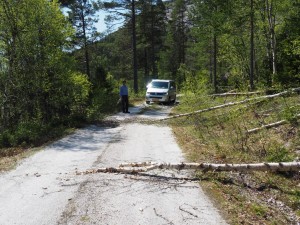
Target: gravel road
44, 189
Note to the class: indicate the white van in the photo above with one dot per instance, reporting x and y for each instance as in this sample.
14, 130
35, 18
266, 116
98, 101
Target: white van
161, 91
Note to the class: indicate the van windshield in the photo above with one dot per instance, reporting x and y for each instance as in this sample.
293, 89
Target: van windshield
159, 84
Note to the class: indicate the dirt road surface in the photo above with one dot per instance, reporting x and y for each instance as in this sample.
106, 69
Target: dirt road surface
44, 189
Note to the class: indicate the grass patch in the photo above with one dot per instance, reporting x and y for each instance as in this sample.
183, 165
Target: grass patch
219, 136
13, 156
9, 157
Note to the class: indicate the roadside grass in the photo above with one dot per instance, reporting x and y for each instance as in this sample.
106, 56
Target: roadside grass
17, 154
219, 136
9, 157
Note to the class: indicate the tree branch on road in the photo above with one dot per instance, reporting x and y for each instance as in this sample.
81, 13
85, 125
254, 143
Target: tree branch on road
136, 168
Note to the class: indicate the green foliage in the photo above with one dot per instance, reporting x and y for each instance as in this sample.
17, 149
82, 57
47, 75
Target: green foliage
30, 133
80, 88
197, 84
288, 47
41, 80
151, 32
39, 89
82, 16
27, 133
220, 136
278, 154
5, 139
103, 100
290, 113
259, 210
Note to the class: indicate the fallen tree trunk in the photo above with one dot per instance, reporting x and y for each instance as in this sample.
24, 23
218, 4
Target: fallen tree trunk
236, 94
267, 126
135, 168
231, 104
281, 166
270, 125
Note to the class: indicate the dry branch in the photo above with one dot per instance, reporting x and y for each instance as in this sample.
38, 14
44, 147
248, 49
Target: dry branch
135, 168
231, 104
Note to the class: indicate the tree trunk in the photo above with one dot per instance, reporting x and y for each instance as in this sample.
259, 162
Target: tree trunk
215, 84
86, 52
271, 22
270, 125
231, 104
237, 94
134, 168
251, 48
135, 75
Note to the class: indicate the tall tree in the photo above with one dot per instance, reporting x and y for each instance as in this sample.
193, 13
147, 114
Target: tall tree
251, 74
151, 25
83, 16
210, 23
126, 9
35, 80
176, 41
289, 46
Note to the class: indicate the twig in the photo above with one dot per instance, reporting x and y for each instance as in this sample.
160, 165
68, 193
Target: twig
184, 210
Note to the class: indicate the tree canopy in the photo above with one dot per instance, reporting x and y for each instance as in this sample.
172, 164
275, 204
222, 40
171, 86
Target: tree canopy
52, 65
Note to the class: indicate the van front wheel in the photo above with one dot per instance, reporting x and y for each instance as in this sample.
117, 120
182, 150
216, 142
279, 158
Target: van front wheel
174, 100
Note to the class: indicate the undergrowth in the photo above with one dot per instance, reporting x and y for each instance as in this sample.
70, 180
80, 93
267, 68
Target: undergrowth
220, 136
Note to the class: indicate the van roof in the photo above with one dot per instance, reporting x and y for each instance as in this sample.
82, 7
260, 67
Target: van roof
162, 80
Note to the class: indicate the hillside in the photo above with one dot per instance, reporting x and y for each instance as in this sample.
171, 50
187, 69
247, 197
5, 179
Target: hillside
220, 136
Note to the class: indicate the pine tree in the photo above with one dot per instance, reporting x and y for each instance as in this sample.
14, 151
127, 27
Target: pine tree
82, 15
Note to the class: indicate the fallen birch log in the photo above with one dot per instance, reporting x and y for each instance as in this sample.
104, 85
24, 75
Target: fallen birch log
135, 168
281, 166
270, 125
231, 104
236, 94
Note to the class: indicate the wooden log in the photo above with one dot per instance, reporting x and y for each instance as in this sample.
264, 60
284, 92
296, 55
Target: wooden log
281, 166
270, 125
236, 94
267, 126
113, 170
135, 168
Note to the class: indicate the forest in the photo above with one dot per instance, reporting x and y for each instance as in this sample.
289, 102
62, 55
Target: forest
57, 70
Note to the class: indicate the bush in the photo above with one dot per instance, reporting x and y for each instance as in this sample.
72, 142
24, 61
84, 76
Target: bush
103, 101
5, 139
27, 133
81, 88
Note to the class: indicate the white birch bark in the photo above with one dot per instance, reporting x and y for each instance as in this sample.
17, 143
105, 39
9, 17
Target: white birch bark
270, 125
135, 168
231, 104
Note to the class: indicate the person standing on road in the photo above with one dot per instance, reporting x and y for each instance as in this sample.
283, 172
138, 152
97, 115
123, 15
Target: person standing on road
124, 97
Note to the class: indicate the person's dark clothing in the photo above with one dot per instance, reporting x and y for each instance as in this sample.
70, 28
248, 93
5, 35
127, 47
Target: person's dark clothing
124, 98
